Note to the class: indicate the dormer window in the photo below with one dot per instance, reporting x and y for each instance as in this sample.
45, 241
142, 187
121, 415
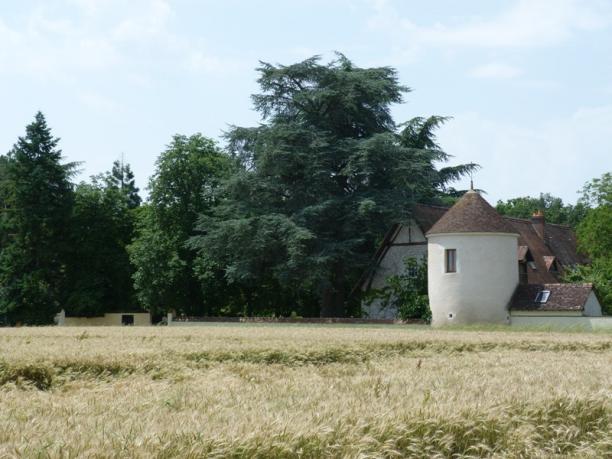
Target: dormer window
450, 256
542, 296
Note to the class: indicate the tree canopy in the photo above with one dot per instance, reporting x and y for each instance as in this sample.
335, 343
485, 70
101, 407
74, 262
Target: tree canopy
99, 272
38, 204
595, 239
182, 188
553, 207
320, 180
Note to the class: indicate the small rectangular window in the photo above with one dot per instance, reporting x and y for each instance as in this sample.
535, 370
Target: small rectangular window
542, 297
451, 260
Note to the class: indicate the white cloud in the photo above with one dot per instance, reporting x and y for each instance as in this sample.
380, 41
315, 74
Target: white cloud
103, 35
207, 63
98, 102
496, 70
556, 156
527, 23
152, 21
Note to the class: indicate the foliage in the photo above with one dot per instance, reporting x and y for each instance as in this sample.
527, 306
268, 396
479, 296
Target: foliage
405, 292
595, 232
326, 174
598, 273
554, 209
5, 187
595, 239
598, 192
121, 178
182, 187
36, 213
99, 272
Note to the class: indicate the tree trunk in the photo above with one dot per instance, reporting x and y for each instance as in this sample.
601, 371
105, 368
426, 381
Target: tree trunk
332, 300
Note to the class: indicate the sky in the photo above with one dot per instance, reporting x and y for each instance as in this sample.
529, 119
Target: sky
528, 83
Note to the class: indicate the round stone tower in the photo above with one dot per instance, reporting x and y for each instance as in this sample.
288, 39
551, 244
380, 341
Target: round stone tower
472, 264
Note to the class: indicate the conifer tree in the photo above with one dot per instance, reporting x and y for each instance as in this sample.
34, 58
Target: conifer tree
36, 217
122, 178
324, 176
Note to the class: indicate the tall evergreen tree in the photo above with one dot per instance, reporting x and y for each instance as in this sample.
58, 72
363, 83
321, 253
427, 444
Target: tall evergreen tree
37, 215
323, 178
122, 178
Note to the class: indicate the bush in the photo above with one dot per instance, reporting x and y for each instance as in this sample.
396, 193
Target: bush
406, 292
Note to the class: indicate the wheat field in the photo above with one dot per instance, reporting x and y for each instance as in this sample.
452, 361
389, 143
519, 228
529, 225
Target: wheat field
303, 391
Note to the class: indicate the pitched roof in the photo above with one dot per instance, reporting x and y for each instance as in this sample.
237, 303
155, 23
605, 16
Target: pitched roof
471, 214
427, 215
559, 241
563, 297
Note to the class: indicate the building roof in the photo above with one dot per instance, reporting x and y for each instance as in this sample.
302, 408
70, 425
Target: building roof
563, 297
471, 214
559, 241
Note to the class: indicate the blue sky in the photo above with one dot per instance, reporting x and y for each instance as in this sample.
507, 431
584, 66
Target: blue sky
528, 83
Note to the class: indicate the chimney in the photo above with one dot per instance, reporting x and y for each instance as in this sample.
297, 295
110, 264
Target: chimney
537, 220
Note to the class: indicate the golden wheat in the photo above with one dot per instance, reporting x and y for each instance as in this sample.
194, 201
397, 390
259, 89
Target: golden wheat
303, 391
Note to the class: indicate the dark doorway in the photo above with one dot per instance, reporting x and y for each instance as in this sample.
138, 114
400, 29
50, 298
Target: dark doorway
127, 319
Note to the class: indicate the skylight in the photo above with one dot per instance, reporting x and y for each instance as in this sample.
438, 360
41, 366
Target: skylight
542, 296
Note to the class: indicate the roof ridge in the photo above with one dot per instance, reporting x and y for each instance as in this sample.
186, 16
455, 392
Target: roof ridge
527, 220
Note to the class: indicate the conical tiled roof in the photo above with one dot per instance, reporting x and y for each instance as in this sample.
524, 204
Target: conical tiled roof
471, 214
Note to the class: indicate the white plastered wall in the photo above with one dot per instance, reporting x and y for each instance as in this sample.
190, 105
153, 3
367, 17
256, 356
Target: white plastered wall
552, 321
592, 308
109, 319
392, 263
486, 277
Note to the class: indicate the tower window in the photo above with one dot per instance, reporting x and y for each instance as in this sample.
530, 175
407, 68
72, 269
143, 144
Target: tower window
542, 296
451, 260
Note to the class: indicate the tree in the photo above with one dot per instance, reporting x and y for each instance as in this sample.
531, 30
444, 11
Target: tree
554, 209
598, 192
322, 179
598, 273
4, 200
99, 272
36, 215
122, 178
182, 188
595, 239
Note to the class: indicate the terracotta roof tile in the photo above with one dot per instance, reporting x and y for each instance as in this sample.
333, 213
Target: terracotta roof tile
563, 297
426, 215
471, 214
559, 241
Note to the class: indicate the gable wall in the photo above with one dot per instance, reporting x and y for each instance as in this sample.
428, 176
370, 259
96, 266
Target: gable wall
409, 241
592, 308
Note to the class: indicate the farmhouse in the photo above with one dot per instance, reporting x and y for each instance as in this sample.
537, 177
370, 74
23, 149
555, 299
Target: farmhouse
483, 267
